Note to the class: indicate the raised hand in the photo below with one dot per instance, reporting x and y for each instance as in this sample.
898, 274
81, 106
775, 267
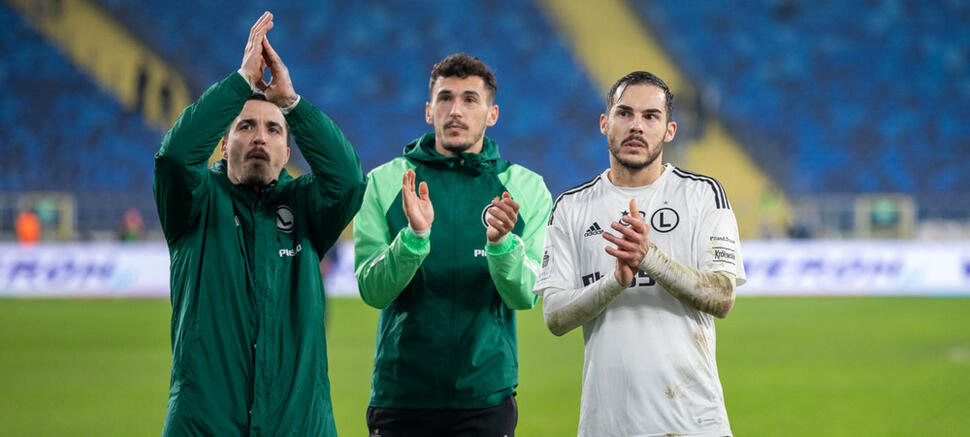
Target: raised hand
633, 245
418, 210
253, 62
279, 90
504, 213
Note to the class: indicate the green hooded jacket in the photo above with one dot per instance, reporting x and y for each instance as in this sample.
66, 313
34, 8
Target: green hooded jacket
446, 337
249, 354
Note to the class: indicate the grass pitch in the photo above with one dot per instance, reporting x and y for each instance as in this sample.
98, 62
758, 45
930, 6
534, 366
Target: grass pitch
789, 366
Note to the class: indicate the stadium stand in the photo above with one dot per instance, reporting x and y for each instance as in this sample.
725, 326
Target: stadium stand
860, 97
63, 133
847, 99
367, 66
360, 62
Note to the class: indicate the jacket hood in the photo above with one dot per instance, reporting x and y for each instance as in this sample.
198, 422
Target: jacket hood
422, 150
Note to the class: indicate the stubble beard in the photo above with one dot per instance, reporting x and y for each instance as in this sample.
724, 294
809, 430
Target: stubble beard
461, 147
653, 152
256, 175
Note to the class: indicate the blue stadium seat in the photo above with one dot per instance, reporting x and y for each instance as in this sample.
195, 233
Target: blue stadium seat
366, 66
837, 97
62, 132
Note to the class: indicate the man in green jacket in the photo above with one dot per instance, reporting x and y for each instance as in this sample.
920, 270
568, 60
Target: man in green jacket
248, 344
446, 360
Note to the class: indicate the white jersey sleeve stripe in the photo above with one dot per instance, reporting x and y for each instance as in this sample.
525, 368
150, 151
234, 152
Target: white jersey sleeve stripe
720, 197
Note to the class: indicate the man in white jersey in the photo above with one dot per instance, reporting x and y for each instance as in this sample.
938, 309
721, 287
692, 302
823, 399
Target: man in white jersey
646, 300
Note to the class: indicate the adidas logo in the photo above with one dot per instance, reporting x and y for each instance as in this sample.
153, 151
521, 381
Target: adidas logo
594, 230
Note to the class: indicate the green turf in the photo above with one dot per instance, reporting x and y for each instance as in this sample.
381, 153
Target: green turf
792, 367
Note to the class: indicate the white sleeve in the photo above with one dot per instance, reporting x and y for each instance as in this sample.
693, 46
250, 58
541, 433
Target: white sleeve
718, 247
566, 304
567, 309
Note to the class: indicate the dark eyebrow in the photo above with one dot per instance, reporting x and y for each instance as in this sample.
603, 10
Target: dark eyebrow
645, 111
272, 123
469, 92
246, 121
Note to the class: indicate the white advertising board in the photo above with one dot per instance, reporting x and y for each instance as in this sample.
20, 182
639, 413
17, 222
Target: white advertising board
777, 267
84, 269
855, 267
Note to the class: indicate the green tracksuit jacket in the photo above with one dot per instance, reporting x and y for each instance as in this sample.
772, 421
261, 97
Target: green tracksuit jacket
249, 355
446, 337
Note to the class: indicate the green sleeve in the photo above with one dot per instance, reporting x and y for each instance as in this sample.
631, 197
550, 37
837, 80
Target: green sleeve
180, 165
335, 186
514, 263
384, 267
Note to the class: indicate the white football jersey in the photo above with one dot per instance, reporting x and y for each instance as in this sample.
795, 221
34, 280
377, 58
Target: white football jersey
649, 365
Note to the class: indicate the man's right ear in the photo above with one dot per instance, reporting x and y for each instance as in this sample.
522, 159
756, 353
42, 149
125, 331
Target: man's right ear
222, 147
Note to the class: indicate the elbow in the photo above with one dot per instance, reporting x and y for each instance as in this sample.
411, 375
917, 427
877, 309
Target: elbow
358, 188
556, 327
723, 289
165, 159
371, 298
724, 307
355, 184
556, 330
525, 303
374, 302
169, 161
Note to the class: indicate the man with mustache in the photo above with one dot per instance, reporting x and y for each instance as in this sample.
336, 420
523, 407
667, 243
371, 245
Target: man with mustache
647, 300
446, 360
249, 352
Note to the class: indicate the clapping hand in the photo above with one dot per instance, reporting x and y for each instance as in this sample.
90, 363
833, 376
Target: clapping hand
504, 213
417, 209
259, 55
632, 247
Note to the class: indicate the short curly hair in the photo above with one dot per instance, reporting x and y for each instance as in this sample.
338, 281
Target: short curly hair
463, 65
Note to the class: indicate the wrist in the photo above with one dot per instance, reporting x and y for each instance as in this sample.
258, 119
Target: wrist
613, 283
423, 233
499, 241
652, 260
248, 77
288, 103
504, 246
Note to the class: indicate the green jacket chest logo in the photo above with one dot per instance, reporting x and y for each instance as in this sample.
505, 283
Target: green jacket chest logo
284, 219
486, 214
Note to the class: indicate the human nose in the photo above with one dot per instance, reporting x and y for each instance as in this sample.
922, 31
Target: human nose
637, 126
260, 136
455, 110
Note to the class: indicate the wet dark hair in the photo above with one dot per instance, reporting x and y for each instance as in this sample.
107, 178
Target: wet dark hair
462, 66
640, 78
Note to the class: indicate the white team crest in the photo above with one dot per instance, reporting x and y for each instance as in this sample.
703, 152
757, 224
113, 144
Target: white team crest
486, 214
284, 219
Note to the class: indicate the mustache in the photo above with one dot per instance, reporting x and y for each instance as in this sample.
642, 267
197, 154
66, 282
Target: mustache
457, 123
637, 138
258, 153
